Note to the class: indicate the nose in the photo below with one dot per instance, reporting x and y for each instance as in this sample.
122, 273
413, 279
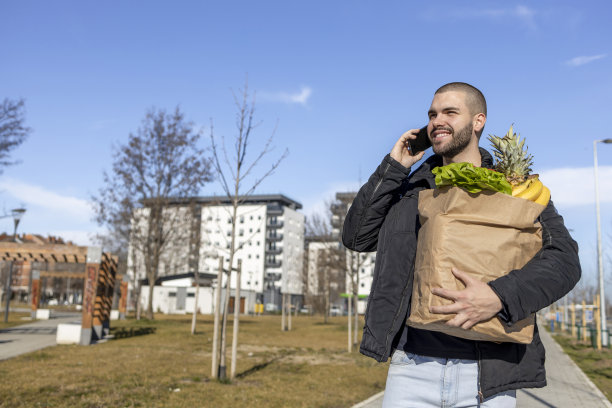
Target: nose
436, 121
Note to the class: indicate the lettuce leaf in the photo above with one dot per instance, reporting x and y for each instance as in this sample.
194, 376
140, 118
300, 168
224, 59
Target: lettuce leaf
472, 179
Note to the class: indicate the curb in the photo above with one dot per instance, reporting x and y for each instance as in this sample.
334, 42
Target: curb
366, 402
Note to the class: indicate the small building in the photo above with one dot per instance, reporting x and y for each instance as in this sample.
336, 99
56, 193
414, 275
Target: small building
176, 294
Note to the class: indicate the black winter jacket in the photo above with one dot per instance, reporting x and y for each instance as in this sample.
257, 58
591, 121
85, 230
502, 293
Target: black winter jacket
384, 218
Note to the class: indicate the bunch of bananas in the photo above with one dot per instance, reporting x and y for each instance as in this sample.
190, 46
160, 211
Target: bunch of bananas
533, 190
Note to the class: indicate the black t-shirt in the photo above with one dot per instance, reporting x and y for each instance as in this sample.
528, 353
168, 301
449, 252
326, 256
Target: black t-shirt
436, 344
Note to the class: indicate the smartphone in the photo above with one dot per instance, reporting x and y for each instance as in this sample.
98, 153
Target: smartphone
421, 143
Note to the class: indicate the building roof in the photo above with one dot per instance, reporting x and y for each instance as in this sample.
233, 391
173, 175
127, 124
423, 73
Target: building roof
252, 199
203, 278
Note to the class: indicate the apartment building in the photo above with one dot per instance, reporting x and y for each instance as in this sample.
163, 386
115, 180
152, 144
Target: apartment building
361, 265
269, 240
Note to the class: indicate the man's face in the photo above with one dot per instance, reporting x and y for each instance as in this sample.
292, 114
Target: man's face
450, 126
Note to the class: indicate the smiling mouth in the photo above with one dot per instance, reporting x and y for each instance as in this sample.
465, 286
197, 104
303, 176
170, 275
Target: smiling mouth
441, 133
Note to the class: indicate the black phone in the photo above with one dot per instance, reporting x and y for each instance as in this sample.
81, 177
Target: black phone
421, 143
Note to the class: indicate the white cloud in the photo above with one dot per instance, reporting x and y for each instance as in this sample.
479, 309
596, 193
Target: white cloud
523, 13
582, 60
572, 186
32, 195
300, 97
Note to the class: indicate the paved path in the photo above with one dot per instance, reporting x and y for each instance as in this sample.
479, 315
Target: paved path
33, 336
568, 386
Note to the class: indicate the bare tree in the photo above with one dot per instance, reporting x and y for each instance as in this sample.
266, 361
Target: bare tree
160, 163
235, 174
329, 260
13, 132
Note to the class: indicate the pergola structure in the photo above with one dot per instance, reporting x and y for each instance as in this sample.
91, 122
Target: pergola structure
99, 274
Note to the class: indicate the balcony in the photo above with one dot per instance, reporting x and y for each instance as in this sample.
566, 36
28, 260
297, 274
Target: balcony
275, 210
274, 251
275, 237
276, 224
273, 264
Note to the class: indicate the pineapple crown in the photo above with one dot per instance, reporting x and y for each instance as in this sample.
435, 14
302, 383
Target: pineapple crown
511, 154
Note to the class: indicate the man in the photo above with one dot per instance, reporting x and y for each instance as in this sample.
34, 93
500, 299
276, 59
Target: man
431, 368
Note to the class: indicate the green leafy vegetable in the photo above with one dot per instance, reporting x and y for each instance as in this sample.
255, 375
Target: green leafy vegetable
472, 179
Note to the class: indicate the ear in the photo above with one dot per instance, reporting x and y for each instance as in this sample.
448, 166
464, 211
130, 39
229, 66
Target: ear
478, 122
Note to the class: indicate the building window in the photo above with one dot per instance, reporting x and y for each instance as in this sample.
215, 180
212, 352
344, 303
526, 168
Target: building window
229, 220
249, 256
257, 256
250, 230
242, 219
257, 243
229, 233
241, 232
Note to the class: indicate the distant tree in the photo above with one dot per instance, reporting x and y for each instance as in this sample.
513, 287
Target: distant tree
160, 163
330, 259
13, 132
235, 174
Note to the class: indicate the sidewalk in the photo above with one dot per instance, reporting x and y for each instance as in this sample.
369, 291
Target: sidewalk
568, 386
32, 336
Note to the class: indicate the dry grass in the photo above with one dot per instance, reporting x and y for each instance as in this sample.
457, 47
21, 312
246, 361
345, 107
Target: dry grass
306, 367
14, 319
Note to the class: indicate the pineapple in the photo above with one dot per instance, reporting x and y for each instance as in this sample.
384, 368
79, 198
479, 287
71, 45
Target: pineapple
514, 162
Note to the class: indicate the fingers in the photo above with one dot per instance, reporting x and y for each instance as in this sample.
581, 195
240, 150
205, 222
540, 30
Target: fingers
462, 276
445, 293
411, 134
446, 309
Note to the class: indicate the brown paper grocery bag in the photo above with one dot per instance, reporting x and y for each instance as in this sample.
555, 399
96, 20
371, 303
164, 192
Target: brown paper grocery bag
486, 235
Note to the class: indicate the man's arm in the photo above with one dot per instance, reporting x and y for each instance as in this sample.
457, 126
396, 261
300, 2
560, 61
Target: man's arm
372, 203
547, 277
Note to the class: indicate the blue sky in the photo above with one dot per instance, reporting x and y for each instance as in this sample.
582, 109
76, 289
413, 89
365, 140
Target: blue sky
340, 80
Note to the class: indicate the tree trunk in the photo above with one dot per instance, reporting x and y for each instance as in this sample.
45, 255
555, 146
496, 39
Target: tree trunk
223, 352
326, 294
150, 300
356, 300
289, 313
236, 320
215, 349
350, 318
195, 307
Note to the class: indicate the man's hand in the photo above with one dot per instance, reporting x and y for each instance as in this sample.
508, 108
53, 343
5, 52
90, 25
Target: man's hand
474, 304
401, 151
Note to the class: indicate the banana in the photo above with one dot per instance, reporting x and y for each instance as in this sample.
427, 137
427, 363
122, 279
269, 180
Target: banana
544, 197
533, 191
516, 190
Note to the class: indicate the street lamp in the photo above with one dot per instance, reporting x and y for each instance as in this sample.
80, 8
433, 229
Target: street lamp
604, 338
17, 213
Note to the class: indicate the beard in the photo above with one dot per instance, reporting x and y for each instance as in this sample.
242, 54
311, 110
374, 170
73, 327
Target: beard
460, 140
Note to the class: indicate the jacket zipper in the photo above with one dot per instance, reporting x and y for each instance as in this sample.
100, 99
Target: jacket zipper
480, 396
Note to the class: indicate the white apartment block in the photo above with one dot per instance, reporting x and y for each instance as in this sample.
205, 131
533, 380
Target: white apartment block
269, 240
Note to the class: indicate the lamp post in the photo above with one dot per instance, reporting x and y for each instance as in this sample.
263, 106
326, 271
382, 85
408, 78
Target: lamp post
604, 338
17, 213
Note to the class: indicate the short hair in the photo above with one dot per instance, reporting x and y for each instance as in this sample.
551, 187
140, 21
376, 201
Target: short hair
475, 100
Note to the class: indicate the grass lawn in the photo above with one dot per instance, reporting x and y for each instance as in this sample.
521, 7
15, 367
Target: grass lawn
159, 363
15, 319
597, 365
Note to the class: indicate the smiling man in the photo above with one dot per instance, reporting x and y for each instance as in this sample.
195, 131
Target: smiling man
432, 368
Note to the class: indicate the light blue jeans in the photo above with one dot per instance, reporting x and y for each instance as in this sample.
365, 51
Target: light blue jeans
416, 381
